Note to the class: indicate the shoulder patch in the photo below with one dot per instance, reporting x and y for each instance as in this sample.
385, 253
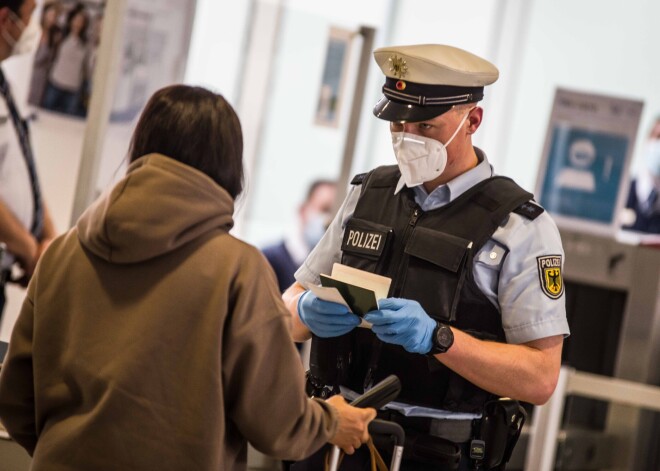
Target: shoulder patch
550, 276
358, 179
530, 210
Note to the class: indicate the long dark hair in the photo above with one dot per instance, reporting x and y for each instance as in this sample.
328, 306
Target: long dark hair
77, 9
53, 33
196, 127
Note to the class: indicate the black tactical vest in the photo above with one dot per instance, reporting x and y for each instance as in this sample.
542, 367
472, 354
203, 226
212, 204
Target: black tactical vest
429, 256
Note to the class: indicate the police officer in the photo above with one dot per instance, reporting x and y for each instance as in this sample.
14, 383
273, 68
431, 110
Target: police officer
476, 309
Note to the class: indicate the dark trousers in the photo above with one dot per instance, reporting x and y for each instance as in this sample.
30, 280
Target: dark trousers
63, 101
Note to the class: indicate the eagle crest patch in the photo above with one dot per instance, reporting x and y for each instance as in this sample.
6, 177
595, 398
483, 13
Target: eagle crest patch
552, 283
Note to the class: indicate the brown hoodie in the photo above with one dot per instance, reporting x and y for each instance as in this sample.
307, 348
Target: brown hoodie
151, 339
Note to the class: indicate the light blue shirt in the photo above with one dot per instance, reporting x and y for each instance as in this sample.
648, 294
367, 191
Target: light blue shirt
506, 269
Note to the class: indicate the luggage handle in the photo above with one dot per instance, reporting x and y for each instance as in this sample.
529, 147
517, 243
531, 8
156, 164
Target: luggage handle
385, 427
377, 397
392, 429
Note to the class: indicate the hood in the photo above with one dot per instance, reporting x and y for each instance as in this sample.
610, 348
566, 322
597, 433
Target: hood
160, 205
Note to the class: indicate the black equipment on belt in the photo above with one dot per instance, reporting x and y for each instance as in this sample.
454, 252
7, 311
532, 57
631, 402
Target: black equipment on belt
498, 434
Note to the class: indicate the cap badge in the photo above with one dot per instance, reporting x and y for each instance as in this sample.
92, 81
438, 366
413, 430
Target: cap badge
401, 85
398, 66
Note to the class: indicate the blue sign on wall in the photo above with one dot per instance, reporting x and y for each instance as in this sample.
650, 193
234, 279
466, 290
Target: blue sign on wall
583, 173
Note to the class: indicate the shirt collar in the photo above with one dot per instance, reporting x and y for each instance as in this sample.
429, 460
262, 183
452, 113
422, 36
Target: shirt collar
451, 190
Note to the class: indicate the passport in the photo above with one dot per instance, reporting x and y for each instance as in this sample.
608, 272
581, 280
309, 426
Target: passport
359, 290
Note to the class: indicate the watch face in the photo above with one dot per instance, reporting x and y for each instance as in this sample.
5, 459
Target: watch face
445, 336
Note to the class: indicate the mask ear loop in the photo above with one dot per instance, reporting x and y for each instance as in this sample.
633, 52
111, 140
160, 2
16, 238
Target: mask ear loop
459, 126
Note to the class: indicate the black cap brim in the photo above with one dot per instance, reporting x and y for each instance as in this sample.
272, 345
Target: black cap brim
405, 101
390, 110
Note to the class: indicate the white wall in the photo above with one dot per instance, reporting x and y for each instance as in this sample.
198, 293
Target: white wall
218, 45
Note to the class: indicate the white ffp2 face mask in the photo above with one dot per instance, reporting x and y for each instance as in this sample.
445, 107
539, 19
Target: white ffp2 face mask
421, 159
315, 228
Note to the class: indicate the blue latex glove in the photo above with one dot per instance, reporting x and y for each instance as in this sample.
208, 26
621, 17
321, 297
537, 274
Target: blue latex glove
324, 318
403, 322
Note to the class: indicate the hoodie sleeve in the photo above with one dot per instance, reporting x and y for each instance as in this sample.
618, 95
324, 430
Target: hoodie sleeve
17, 408
263, 375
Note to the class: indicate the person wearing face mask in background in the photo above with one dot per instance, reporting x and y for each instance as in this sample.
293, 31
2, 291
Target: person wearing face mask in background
476, 309
26, 228
314, 216
644, 189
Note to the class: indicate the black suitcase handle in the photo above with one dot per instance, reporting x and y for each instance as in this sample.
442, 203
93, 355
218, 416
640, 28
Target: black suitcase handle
382, 393
377, 397
389, 429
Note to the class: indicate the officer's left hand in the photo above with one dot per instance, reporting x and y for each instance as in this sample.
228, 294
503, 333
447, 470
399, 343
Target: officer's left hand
402, 322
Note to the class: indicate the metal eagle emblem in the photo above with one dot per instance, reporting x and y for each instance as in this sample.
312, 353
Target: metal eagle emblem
550, 275
398, 66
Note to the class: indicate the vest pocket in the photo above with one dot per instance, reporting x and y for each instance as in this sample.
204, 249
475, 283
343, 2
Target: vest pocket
437, 265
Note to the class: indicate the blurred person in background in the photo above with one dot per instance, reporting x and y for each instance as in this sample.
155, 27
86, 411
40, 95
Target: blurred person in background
644, 189
314, 216
51, 35
67, 75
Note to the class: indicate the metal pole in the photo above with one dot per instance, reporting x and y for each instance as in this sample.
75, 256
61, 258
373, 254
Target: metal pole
367, 34
545, 428
105, 81
334, 459
252, 93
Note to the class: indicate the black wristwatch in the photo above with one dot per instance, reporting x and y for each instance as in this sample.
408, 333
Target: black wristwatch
443, 339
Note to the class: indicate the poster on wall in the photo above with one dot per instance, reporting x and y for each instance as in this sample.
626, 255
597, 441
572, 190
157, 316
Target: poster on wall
63, 65
156, 38
335, 68
583, 174
154, 43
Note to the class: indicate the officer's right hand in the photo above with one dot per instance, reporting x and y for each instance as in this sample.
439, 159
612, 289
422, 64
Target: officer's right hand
325, 318
353, 424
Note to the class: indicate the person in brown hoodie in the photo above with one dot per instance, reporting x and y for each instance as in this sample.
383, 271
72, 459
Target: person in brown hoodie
152, 339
